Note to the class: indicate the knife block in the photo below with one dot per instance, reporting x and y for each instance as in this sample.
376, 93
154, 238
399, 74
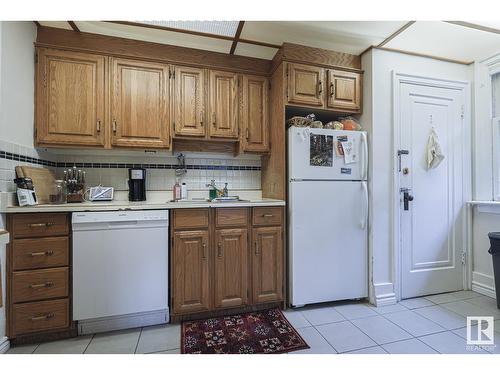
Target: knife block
76, 197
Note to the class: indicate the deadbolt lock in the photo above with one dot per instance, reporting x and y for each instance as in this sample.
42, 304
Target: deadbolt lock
406, 171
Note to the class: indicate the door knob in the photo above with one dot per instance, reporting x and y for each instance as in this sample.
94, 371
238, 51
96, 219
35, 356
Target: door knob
407, 198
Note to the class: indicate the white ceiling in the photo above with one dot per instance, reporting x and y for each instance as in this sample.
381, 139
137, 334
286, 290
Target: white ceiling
436, 38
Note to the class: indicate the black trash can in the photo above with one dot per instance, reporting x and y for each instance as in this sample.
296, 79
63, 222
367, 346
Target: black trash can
495, 254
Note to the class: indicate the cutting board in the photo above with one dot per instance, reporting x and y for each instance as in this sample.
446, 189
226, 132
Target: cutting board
43, 181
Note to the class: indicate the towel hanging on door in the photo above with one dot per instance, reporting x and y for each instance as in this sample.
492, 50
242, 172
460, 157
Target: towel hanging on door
434, 154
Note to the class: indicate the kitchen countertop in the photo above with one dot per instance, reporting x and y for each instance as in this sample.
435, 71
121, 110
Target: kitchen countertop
147, 205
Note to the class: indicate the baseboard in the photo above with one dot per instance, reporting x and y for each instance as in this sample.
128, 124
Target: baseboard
483, 284
384, 294
4, 345
113, 323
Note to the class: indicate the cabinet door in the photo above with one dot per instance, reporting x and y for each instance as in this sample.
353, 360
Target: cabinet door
267, 264
223, 105
255, 114
70, 98
305, 85
189, 105
231, 264
344, 91
139, 97
190, 270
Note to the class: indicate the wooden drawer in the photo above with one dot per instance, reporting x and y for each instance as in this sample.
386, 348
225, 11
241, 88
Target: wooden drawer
38, 285
39, 225
231, 217
267, 216
190, 218
40, 253
40, 316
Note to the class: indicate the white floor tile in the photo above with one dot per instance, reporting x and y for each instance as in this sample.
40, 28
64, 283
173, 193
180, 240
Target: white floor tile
465, 308
412, 346
159, 338
444, 298
322, 315
173, 351
462, 332
76, 345
415, 303
345, 336
119, 342
317, 343
381, 330
466, 294
296, 318
444, 317
413, 323
355, 311
447, 343
22, 349
372, 350
485, 302
388, 309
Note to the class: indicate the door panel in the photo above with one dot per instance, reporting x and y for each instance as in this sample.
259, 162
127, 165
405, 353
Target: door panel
189, 106
305, 85
224, 104
191, 272
267, 264
71, 98
255, 113
344, 91
431, 228
231, 263
139, 97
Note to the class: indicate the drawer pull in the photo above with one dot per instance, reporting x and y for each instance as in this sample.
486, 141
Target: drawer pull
40, 225
42, 317
42, 253
204, 255
219, 252
256, 248
267, 215
48, 284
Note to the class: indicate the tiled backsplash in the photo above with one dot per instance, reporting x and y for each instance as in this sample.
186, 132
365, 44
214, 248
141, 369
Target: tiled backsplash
110, 168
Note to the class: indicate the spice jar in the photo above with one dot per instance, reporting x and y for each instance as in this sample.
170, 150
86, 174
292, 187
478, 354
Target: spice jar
59, 192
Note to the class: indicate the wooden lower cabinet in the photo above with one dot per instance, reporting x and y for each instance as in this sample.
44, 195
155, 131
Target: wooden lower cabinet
190, 272
267, 264
230, 268
228, 261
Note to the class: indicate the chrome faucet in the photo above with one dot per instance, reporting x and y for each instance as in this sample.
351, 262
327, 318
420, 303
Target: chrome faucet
220, 192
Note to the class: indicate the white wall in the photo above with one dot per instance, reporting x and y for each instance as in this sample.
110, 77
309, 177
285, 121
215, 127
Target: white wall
379, 66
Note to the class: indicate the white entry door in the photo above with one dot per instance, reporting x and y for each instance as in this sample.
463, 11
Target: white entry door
431, 226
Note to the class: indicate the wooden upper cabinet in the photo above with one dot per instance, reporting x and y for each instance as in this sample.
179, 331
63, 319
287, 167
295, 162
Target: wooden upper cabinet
230, 267
344, 90
267, 264
223, 105
189, 104
255, 114
139, 104
305, 85
70, 99
190, 272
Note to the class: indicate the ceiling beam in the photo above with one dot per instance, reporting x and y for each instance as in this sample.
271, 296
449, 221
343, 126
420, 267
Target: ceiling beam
425, 55
236, 37
475, 26
73, 26
396, 33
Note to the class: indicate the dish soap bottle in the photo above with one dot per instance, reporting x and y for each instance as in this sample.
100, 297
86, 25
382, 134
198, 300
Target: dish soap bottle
177, 191
184, 191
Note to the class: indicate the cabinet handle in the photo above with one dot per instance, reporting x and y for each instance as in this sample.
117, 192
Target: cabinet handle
114, 126
320, 87
42, 317
98, 126
39, 225
201, 118
214, 120
267, 215
332, 89
42, 253
48, 284
204, 256
256, 248
247, 134
219, 251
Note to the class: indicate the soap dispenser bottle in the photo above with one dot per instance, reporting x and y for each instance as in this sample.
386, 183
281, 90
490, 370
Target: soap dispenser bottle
177, 191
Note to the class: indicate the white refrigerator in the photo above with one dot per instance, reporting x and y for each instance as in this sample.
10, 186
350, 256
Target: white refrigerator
328, 215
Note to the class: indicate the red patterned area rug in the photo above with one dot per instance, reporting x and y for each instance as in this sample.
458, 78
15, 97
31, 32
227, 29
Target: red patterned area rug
258, 332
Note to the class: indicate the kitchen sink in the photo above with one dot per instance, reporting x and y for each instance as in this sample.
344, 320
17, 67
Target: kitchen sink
230, 199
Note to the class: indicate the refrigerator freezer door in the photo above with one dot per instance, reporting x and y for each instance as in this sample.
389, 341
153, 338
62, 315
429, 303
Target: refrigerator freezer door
328, 241
312, 155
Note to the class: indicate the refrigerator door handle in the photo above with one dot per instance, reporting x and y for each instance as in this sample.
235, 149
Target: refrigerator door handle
364, 214
364, 166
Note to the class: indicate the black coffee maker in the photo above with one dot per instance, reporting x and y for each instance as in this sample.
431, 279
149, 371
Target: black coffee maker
136, 184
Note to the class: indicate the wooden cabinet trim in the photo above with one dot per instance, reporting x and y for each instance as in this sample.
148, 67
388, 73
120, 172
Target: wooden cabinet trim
40, 284
255, 114
306, 84
223, 104
344, 90
39, 253
190, 218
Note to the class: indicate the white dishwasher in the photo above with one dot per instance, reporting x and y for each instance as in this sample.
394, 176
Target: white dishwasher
120, 269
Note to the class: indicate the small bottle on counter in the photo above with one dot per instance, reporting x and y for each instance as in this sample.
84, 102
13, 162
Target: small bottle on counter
177, 191
184, 191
